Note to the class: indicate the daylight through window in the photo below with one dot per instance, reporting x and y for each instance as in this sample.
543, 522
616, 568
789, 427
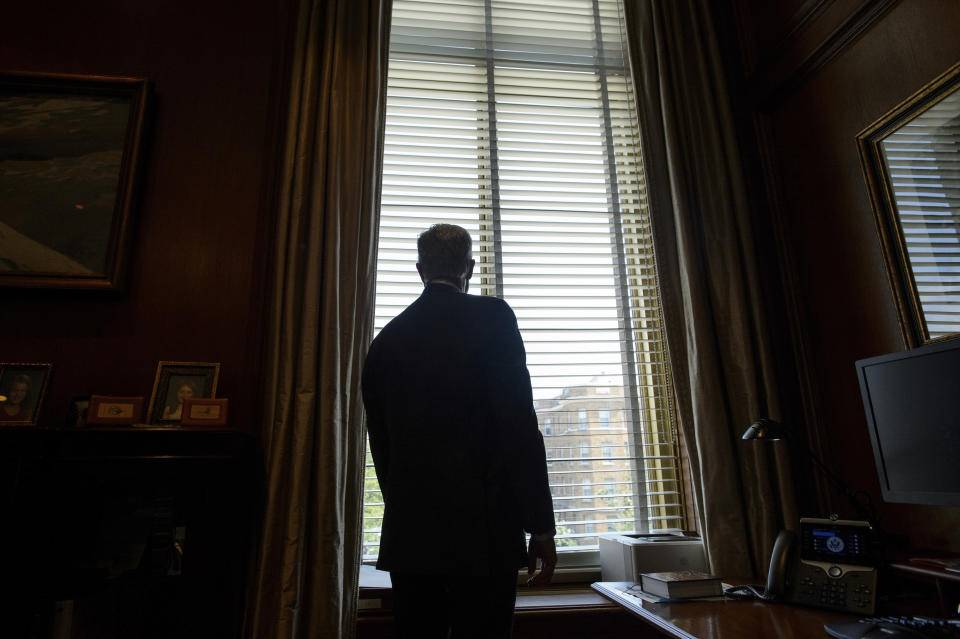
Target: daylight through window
515, 120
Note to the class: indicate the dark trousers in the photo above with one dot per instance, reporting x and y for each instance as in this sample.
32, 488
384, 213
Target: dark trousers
447, 607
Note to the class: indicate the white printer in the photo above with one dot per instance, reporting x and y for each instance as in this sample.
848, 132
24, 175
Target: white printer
625, 557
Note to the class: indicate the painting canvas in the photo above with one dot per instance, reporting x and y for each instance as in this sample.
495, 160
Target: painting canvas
68, 157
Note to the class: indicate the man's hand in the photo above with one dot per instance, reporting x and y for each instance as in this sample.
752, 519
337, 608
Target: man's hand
546, 552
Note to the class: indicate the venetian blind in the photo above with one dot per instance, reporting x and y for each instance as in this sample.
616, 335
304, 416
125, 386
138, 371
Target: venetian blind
924, 171
515, 120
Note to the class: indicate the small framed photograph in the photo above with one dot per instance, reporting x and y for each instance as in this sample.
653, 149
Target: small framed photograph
22, 386
177, 381
116, 411
204, 412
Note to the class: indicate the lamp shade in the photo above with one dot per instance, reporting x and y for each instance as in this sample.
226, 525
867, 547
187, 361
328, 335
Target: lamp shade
765, 429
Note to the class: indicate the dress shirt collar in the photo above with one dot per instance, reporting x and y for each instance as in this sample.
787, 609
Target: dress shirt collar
440, 285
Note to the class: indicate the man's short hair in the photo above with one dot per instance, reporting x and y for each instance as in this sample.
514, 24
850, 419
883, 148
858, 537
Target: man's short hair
444, 250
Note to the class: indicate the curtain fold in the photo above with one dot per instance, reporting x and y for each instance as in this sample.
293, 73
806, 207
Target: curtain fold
320, 323
723, 370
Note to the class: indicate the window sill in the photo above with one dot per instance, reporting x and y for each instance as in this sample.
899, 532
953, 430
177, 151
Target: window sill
568, 592
560, 598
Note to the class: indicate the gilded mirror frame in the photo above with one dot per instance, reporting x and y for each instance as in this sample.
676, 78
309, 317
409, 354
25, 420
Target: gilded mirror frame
879, 176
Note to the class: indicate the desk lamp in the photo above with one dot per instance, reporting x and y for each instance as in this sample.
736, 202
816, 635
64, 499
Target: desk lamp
769, 430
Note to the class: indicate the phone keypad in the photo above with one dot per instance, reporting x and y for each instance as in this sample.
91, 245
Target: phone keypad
863, 596
853, 591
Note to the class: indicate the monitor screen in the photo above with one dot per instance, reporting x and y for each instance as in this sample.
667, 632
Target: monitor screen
912, 404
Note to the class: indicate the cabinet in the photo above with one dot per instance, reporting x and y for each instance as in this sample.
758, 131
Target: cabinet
125, 532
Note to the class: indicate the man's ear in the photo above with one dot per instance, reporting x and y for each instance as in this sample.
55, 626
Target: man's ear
470, 266
420, 271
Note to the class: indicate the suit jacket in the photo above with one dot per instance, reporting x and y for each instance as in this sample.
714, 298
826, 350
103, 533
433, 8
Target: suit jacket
454, 437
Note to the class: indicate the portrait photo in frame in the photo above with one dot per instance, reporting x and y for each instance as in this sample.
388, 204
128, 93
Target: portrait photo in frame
176, 381
22, 386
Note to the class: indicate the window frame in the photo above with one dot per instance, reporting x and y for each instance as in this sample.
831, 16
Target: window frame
629, 354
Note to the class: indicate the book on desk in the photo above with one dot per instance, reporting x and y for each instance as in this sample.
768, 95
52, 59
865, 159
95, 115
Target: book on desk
681, 584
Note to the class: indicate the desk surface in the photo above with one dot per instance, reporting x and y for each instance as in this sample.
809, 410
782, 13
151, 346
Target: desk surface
726, 619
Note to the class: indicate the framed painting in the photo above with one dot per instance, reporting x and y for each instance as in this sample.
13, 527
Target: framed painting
70, 150
910, 158
177, 381
22, 387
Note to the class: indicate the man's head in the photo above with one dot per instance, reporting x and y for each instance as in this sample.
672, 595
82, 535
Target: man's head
444, 254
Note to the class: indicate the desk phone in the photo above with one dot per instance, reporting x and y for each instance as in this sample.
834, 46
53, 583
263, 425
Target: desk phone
835, 568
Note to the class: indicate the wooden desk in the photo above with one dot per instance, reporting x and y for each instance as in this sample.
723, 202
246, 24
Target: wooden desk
947, 583
726, 619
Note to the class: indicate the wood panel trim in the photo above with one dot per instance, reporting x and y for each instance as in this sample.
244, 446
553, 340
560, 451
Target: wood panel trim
770, 89
806, 14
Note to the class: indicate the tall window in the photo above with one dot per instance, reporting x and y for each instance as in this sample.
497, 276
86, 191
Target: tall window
515, 119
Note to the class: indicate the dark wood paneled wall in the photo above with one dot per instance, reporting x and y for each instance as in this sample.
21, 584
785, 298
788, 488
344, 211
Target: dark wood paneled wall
807, 78
195, 284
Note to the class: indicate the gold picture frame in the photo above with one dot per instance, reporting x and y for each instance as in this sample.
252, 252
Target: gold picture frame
174, 382
114, 411
908, 158
68, 188
204, 412
22, 387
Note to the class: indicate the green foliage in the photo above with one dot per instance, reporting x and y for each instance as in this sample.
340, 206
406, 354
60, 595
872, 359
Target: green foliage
561, 531
372, 511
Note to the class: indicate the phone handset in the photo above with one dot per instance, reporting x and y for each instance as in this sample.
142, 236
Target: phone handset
783, 561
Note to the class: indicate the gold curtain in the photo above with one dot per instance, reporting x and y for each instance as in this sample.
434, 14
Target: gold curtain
717, 331
320, 323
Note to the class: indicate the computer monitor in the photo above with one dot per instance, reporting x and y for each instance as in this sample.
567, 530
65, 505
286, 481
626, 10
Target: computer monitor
912, 403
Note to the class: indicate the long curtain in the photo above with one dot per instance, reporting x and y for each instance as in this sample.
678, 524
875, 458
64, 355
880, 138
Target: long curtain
717, 333
321, 315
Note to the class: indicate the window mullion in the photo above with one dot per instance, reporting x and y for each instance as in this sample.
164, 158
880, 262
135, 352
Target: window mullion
493, 151
629, 358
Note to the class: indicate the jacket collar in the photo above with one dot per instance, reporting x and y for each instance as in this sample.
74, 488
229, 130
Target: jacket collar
439, 287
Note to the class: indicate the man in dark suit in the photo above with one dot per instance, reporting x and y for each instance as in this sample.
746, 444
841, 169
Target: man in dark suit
457, 451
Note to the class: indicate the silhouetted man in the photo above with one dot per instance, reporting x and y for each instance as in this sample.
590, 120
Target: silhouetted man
457, 451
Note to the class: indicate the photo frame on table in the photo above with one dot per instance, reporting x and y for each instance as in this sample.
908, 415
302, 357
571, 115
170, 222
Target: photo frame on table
114, 411
22, 386
72, 149
204, 412
176, 381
